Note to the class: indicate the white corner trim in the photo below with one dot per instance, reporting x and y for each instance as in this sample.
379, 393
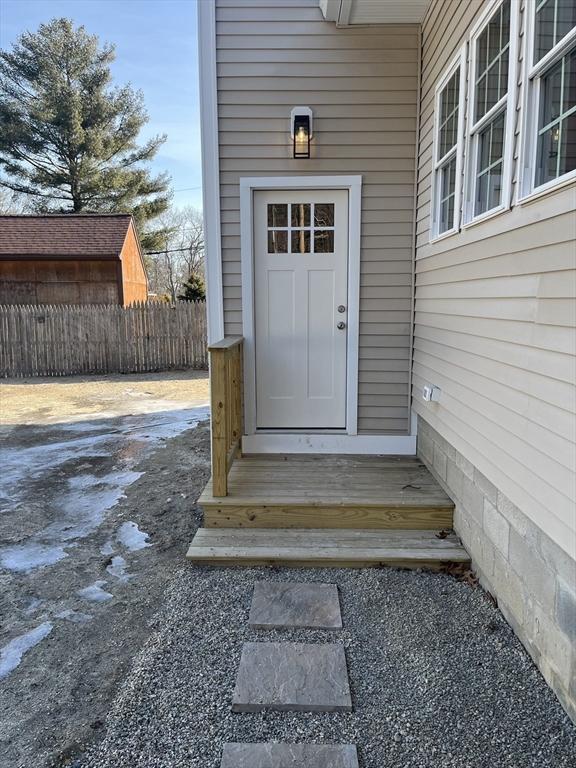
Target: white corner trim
414, 253
210, 167
354, 232
398, 445
248, 302
247, 187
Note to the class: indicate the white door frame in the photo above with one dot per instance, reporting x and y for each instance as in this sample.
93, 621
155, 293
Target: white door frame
353, 184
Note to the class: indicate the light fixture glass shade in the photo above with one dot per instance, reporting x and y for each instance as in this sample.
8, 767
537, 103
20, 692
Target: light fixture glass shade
301, 136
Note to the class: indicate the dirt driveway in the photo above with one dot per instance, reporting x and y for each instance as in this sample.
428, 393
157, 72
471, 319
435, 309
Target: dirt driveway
98, 483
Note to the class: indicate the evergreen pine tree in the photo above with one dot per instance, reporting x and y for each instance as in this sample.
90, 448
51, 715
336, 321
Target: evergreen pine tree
68, 139
194, 289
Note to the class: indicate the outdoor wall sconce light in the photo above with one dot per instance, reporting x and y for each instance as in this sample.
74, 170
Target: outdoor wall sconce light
301, 131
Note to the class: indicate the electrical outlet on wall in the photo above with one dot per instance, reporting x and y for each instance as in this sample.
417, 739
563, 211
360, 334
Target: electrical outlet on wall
430, 393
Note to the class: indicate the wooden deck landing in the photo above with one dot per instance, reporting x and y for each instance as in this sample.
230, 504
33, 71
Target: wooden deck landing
304, 491
345, 511
313, 510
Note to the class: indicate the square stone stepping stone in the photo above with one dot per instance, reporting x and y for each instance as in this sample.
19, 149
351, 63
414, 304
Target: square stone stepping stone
292, 677
289, 756
289, 604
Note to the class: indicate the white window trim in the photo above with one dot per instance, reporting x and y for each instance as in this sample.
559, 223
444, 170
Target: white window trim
532, 73
458, 61
507, 102
248, 185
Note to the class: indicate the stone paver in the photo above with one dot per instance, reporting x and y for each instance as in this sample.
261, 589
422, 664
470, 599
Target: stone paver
289, 756
292, 677
299, 605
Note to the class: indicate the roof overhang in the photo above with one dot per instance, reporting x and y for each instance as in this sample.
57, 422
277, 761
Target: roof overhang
350, 12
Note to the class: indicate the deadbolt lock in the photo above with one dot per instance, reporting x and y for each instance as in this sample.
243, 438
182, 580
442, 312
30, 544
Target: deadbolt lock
341, 308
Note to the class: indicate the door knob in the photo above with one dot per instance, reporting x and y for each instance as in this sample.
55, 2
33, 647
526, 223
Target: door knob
341, 326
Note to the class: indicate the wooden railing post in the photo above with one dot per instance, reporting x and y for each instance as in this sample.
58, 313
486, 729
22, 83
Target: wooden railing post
218, 416
226, 405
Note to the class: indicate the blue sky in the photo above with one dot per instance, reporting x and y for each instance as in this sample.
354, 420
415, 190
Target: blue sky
156, 51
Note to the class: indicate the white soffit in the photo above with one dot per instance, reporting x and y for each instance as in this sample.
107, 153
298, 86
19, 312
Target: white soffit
349, 12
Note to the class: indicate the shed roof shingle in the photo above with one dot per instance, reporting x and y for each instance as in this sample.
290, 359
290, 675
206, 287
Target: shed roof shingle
63, 235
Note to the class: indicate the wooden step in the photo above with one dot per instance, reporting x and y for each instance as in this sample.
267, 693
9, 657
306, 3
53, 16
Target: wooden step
250, 514
326, 547
356, 492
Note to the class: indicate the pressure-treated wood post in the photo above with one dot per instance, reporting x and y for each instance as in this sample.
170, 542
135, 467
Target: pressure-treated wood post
226, 385
219, 406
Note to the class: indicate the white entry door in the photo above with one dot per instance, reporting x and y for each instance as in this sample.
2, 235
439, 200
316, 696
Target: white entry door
301, 297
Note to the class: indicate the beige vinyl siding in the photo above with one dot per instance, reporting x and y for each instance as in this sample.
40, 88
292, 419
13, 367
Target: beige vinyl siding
361, 84
494, 322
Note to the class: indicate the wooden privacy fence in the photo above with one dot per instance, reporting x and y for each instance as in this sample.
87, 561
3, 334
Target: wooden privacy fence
64, 340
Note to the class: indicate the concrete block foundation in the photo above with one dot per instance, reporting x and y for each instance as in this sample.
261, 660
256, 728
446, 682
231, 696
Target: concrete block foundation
530, 576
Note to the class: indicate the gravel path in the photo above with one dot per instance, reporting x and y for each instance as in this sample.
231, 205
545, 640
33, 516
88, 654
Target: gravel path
437, 676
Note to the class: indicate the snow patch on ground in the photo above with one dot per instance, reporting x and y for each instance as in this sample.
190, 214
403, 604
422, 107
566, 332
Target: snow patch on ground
33, 604
81, 510
86, 482
95, 593
81, 507
117, 568
81, 514
11, 654
25, 557
35, 461
132, 537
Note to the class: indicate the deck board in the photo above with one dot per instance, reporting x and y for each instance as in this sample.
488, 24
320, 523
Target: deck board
359, 548
299, 491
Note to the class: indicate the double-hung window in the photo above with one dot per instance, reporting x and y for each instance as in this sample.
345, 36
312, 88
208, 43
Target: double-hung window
550, 124
448, 138
489, 138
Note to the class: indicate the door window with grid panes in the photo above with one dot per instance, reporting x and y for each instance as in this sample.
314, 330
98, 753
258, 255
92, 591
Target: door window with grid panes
301, 228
